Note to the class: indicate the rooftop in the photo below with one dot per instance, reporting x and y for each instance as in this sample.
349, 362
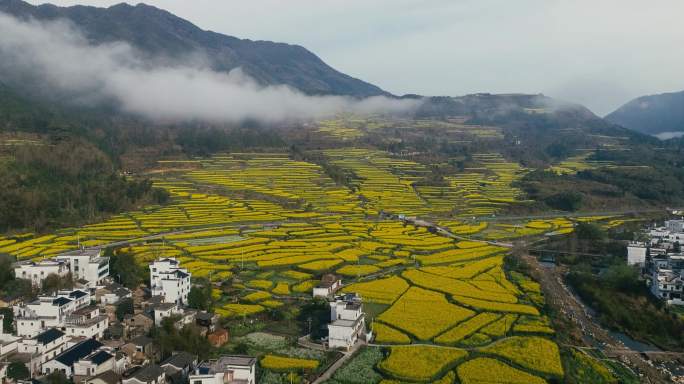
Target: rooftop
49, 336
81, 252
78, 351
141, 341
224, 363
180, 360
99, 357
164, 306
328, 280
109, 377
77, 294
343, 323
61, 301
85, 310
206, 316
148, 373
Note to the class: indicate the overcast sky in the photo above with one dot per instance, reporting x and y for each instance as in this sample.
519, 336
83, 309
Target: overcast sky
598, 53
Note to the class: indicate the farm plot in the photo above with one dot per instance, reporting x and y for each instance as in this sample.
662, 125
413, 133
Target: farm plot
272, 226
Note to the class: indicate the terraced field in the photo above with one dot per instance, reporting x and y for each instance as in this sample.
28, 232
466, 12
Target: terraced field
273, 226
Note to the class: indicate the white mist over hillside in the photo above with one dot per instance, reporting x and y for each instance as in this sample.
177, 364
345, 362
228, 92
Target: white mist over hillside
56, 56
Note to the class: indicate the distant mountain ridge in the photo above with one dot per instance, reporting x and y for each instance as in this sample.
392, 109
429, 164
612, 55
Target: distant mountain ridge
653, 114
160, 33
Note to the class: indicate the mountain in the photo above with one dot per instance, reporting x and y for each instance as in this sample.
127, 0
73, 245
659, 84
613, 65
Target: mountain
162, 34
655, 114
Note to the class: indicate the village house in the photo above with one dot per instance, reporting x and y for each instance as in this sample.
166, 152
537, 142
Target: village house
139, 350
149, 374
347, 321
138, 324
164, 310
37, 271
636, 253
179, 366
112, 293
107, 377
87, 265
225, 370
663, 260
65, 361
11, 299
170, 281
327, 287
86, 322
94, 364
48, 311
43, 347
667, 280
207, 321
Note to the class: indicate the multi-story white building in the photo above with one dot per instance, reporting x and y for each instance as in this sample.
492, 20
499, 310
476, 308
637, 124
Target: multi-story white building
95, 364
636, 253
663, 259
225, 370
347, 321
37, 271
169, 280
164, 310
44, 347
675, 226
668, 279
65, 361
86, 322
87, 265
48, 311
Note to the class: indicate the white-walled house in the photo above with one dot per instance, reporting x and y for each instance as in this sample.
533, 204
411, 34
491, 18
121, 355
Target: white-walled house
95, 364
37, 271
636, 253
149, 374
347, 321
45, 346
48, 311
86, 322
675, 226
65, 361
328, 286
164, 310
87, 265
169, 280
225, 370
663, 259
111, 294
667, 284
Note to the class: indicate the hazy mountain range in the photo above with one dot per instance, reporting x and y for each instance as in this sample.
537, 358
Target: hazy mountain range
661, 115
160, 33
164, 37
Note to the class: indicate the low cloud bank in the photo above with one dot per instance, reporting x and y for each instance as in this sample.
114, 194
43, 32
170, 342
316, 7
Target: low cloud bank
61, 61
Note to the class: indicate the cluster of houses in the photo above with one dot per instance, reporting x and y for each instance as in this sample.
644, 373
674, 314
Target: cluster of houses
662, 260
76, 331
